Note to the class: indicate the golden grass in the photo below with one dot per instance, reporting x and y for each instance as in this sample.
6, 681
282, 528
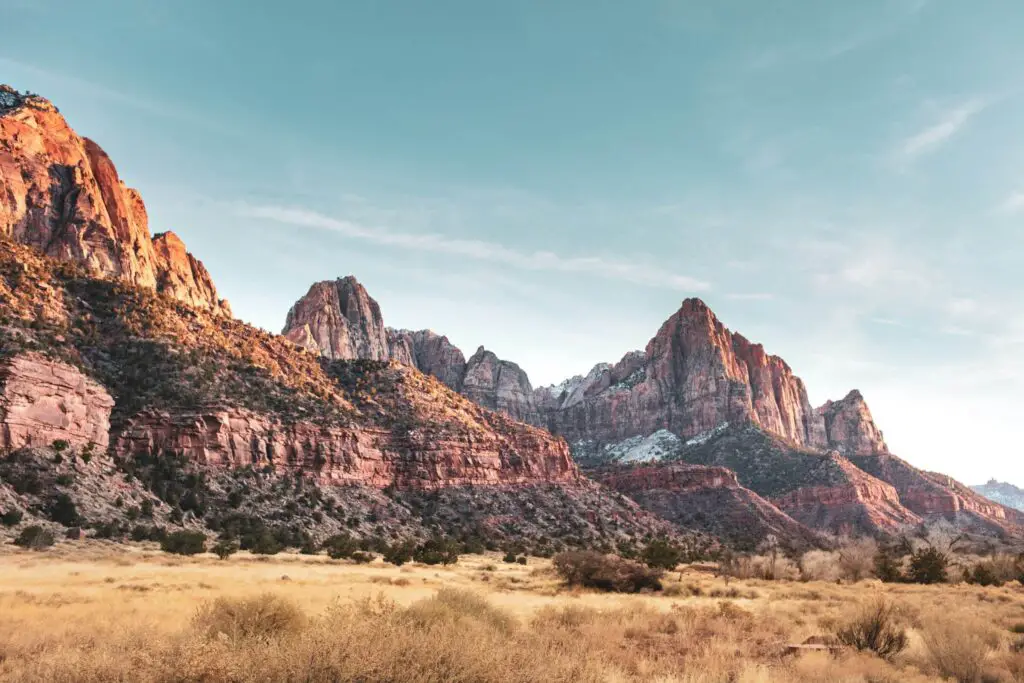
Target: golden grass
113, 613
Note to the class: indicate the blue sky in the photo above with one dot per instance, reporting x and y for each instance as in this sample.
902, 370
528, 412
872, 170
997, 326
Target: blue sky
843, 182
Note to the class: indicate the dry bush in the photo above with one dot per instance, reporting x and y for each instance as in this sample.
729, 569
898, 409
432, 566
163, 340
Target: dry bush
857, 559
260, 617
958, 646
606, 572
874, 628
768, 567
820, 565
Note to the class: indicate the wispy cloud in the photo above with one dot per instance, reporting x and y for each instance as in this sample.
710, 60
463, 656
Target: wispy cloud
952, 121
599, 266
1013, 204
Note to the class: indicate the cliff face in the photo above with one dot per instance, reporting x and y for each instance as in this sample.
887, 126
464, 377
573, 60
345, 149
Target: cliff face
63, 196
693, 376
849, 427
340, 321
710, 499
499, 385
43, 401
1002, 493
226, 395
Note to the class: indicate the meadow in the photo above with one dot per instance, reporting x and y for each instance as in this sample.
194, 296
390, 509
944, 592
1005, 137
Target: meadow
99, 611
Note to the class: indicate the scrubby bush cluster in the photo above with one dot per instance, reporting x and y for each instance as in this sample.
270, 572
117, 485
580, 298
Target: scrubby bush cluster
590, 569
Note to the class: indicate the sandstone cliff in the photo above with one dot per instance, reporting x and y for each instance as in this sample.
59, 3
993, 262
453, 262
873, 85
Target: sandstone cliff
340, 321
849, 427
63, 196
710, 499
43, 401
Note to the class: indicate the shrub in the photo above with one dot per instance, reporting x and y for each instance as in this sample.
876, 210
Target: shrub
225, 549
340, 546
437, 551
359, 557
957, 649
34, 537
11, 518
259, 617
857, 559
605, 572
184, 543
521, 559
64, 511
510, 557
874, 628
263, 543
398, 554
887, 567
662, 554
927, 565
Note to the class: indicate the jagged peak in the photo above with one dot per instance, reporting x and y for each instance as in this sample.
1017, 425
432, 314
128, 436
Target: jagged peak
12, 99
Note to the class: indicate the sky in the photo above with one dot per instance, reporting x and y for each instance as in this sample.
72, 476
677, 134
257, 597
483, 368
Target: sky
842, 182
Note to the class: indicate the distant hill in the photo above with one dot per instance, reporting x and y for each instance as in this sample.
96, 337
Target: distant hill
1003, 493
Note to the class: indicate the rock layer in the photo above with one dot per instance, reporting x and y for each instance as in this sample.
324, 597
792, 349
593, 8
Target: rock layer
710, 499
423, 458
61, 194
43, 401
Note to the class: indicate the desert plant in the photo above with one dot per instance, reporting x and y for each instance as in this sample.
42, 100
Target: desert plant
874, 628
184, 543
225, 549
340, 546
64, 511
259, 617
437, 551
606, 572
857, 559
887, 566
957, 647
928, 565
662, 554
398, 553
11, 518
34, 538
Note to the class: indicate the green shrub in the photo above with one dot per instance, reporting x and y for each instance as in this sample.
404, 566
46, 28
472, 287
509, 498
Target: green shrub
264, 543
34, 537
662, 554
927, 565
64, 511
184, 543
510, 558
874, 629
887, 567
359, 557
606, 572
225, 549
398, 553
12, 517
340, 546
521, 559
437, 551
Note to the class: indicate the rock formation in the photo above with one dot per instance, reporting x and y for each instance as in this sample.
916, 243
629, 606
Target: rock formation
340, 321
710, 499
499, 385
430, 353
43, 401
63, 196
849, 427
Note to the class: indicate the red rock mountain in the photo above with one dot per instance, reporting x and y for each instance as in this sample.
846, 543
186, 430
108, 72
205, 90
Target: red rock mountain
62, 195
723, 401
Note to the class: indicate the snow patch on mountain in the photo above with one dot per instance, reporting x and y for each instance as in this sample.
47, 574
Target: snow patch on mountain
704, 437
658, 446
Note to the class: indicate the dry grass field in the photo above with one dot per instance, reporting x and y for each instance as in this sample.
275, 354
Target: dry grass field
104, 612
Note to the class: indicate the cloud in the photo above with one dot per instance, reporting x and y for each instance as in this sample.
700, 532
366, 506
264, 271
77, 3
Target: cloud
952, 121
479, 250
1013, 204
